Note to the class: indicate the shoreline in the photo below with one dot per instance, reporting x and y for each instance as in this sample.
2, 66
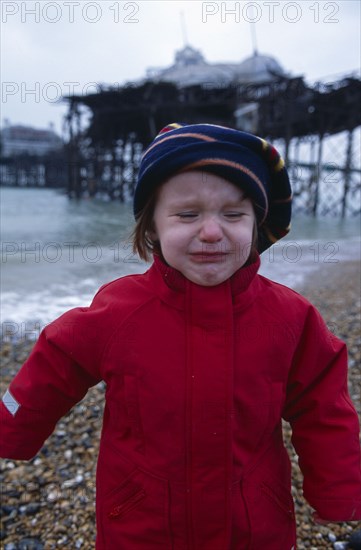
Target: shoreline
58, 484
37, 289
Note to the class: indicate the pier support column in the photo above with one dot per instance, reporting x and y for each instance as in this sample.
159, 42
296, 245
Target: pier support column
318, 175
347, 180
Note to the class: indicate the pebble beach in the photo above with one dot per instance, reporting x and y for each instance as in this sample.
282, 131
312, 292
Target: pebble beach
48, 502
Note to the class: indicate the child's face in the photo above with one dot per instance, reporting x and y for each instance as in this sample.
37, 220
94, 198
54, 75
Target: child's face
204, 226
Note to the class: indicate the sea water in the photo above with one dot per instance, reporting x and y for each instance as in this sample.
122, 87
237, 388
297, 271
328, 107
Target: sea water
56, 252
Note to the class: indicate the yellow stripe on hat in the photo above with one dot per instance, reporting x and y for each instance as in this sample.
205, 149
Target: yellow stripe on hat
265, 143
174, 125
280, 164
271, 237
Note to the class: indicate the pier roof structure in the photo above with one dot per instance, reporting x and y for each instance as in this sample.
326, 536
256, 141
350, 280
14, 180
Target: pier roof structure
190, 68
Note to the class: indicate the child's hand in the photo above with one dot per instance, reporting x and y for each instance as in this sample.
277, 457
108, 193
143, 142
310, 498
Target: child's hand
316, 518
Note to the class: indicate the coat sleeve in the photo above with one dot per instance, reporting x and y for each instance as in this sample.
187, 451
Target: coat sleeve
63, 364
325, 426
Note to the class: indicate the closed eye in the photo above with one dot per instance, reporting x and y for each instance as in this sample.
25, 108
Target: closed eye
187, 215
234, 214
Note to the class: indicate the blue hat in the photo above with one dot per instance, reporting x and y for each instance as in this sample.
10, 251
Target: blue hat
243, 159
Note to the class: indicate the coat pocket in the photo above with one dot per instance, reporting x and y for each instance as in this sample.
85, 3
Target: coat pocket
282, 499
133, 509
271, 515
124, 499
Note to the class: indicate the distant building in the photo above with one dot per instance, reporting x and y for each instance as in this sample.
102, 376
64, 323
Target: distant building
190, 68
18, 140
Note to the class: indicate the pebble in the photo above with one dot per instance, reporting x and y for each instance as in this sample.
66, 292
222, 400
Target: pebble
355, 540
71, 483
30, 544
52, 496
13, 514
57, 488
32, 508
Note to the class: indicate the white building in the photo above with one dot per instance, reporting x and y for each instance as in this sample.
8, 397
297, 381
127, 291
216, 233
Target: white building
190, 68
18, 139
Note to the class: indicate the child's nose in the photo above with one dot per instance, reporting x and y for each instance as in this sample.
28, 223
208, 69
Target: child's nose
210, 231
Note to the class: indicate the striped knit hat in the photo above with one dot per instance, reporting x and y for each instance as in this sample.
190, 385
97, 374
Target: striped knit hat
241, 158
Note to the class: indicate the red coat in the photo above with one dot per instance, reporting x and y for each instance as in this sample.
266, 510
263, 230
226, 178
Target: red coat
198, 379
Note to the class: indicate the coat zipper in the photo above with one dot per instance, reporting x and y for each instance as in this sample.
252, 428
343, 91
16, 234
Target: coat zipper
189, 416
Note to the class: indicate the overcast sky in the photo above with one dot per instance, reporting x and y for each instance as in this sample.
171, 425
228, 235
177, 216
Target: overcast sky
50, 48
